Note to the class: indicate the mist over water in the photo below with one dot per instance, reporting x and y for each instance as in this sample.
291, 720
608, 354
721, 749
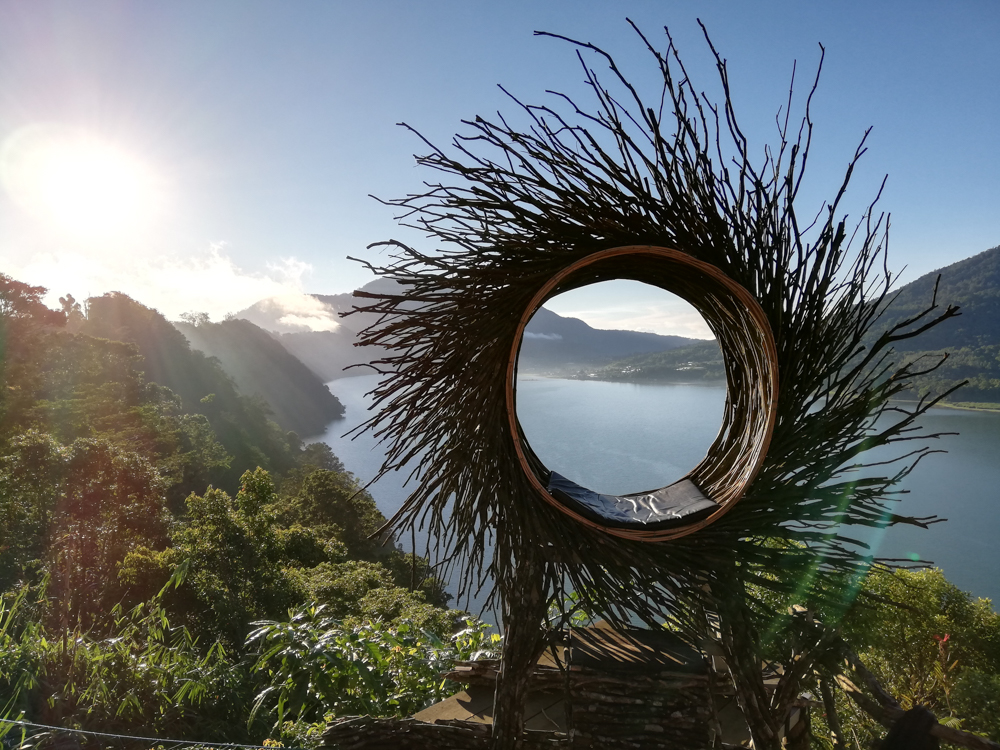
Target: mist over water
623, 437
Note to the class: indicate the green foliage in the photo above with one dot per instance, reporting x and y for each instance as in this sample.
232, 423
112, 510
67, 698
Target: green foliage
74, 513
359, 590
234, 559
260, 364
81, 387
128, 583
258, 554
317, 667
24, 320
19, 663
241, 423
334, 505
143, 675
918, 628
929, 644
976, 698
701, 362
977, 366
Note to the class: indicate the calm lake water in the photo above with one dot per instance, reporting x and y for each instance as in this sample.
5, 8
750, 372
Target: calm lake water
621, 437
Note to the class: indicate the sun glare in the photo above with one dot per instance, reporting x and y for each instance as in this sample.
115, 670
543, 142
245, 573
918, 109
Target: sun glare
77, 184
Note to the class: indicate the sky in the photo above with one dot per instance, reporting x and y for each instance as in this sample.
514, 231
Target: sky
202, 156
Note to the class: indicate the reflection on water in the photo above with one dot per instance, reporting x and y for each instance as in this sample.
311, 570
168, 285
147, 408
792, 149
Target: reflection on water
618, 438
634, 437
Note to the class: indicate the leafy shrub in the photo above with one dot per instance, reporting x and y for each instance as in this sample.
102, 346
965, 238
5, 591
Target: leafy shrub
317, 667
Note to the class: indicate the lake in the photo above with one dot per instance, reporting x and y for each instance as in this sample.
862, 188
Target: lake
631, 437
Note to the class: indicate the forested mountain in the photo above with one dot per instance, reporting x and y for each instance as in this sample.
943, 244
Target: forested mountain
552, 342
972, 340
241, 423
143, 590
313, 330
974, 285
261, 366
694, 363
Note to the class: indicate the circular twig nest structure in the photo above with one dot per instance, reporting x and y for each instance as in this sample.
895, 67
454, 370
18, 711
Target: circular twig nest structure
751, 363
646, 191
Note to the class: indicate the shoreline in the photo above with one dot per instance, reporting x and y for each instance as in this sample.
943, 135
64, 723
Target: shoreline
984, 406
537, 376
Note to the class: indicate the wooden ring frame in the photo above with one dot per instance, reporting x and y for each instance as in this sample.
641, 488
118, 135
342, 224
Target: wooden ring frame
748, 351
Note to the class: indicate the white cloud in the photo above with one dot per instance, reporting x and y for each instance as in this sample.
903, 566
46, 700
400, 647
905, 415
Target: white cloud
296, 312
211, 282
543, 336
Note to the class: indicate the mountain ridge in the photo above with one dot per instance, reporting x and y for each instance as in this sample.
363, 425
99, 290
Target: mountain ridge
551, 341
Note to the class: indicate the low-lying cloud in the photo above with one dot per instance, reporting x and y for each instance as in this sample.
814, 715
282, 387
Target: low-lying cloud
293, 313
211, 282
543, 336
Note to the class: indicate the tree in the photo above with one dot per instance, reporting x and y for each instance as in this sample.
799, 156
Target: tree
930, 644
195, 318
233, 559
335, 506
73, 312
24, 321
73, 514
23, 302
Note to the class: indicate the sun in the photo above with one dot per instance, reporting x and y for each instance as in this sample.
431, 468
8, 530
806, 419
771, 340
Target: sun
77, 183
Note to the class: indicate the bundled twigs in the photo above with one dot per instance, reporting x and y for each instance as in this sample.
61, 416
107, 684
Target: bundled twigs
516, 205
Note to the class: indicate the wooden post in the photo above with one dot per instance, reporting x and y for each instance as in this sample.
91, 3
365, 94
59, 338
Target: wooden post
524, 610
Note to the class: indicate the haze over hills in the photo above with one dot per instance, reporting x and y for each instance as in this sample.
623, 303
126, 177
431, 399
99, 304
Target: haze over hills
241, 421
312, 330
260, 365
309, 326
552, 343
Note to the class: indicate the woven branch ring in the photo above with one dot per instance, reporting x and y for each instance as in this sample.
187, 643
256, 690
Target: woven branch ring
750, 359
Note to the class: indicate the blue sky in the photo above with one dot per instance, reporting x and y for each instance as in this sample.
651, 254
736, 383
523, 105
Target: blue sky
261, 128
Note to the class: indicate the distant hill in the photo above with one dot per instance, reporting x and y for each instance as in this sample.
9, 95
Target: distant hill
974, 285
241, 423
260, 365
695, 363
552, 343
972, 340
310, 328
555, 344
566, 346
